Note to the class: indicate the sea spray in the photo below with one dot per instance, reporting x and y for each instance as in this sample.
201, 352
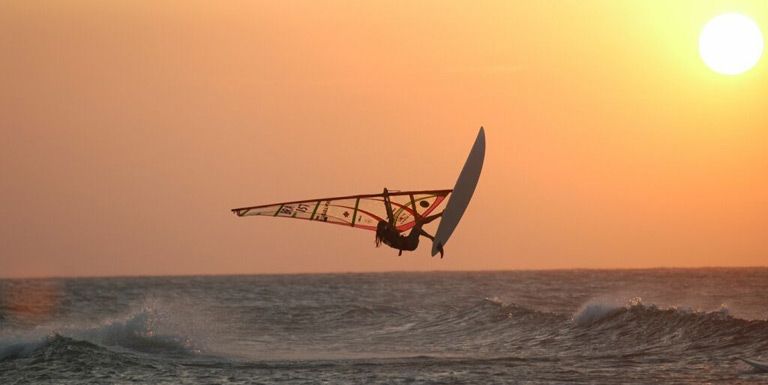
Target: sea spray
597, 310
139, 332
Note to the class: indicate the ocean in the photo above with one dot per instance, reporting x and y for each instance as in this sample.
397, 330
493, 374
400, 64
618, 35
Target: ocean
686, 326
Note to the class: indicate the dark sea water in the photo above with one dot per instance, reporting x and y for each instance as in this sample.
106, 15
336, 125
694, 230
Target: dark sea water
580, 326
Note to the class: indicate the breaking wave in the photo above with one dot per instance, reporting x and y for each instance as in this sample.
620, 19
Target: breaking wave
138, 332
597, 327
648, 328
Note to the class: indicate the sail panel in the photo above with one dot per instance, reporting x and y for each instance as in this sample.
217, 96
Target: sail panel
359, 211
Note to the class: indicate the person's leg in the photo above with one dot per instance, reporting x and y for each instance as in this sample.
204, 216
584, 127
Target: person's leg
430, 237
430, 218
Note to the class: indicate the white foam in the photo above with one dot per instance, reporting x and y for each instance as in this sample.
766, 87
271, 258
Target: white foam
592, 312
139, 331
147, 329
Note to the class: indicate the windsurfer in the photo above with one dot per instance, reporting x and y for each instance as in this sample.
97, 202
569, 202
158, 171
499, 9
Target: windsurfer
387, 233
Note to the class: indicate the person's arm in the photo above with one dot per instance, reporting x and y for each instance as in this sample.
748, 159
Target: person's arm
388, 205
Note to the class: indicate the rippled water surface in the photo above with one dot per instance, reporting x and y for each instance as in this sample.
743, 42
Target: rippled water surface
581, 326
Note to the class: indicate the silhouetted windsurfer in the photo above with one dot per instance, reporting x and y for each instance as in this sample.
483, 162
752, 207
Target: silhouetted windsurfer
387, 233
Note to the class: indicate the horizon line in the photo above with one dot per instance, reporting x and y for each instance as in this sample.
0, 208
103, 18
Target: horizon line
711, 267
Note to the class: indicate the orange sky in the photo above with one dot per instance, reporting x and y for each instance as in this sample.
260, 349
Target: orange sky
129, 129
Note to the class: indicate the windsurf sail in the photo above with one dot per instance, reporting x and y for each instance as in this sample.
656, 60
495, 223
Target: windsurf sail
358, 211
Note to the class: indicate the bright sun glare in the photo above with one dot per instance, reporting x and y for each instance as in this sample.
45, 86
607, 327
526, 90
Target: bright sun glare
731, 44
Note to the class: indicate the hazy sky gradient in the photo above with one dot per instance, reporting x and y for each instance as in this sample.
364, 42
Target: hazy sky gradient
130, 128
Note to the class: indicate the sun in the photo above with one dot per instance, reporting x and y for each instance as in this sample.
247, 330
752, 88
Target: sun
730, 44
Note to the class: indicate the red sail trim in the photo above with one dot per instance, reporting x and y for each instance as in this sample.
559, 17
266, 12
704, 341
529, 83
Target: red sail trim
439, 199
411, 212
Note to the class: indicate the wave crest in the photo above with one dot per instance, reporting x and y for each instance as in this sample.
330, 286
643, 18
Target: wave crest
601, 311
146, 331
139, 332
